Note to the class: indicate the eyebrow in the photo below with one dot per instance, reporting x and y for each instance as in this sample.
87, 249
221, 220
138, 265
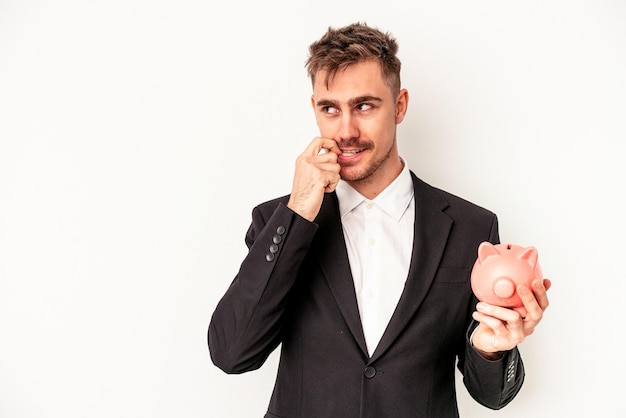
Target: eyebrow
351, 102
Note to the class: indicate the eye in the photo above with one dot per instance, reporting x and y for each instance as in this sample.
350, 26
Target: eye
331, 110
363, 107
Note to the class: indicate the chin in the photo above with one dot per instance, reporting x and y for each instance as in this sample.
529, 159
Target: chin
354, 174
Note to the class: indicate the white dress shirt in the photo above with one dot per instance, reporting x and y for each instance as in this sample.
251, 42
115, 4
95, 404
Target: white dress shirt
379, 240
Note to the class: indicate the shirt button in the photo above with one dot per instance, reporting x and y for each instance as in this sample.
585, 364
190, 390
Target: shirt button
369, 372
369, 206
372, 241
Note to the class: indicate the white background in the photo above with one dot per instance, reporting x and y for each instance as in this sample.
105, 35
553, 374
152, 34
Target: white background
136, 136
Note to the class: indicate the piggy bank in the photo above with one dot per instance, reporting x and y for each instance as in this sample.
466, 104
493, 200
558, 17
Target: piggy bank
499, 269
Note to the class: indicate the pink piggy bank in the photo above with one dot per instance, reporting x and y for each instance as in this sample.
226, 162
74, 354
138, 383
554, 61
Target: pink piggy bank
499, 269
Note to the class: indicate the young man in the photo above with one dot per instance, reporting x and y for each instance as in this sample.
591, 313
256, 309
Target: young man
362, 272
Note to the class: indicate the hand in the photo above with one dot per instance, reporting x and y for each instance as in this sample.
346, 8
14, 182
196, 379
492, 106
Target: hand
316, 173
502, 329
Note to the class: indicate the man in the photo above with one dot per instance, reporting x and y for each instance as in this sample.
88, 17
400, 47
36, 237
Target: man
361, 274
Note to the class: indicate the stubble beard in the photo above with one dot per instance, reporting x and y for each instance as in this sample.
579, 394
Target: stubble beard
366, 174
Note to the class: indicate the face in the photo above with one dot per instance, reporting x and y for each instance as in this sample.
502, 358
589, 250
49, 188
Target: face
359, 111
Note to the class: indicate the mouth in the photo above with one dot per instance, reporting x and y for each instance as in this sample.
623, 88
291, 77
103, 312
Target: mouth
350, 152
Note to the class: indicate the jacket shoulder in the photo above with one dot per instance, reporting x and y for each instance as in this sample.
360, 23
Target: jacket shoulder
452, 202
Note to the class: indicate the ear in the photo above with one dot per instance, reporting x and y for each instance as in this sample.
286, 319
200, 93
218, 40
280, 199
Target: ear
529, 255
486, 250
402, 104
313, 102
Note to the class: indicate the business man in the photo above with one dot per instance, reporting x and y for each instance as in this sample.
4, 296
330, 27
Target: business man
361, 273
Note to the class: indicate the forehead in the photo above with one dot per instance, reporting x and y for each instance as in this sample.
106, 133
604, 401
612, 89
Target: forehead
364, 78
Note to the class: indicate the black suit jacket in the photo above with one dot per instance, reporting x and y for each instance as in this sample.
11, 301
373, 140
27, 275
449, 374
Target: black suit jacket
295, 288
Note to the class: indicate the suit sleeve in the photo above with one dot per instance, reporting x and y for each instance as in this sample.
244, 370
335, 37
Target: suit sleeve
247, 322
492, 383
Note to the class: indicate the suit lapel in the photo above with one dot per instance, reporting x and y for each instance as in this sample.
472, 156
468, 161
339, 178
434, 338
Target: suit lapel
334, 263
431, 231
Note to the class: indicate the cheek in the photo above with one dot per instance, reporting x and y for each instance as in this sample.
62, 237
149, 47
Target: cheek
325, 127
375, 130
388, 129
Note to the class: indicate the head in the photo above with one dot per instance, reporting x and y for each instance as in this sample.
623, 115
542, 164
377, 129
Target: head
353, 44
358, 102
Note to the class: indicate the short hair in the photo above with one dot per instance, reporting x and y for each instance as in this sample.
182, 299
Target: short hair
340, 48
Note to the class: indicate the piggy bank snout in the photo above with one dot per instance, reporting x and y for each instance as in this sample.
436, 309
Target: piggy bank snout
503, 287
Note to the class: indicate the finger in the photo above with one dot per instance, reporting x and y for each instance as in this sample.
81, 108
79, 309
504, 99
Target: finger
329, 179
331, 186
320, 143
335, 149
329, 146
495, 333
498, 312
484, 337
532, 303
504, 321
521, 311
327, 157
506, 333
540, 293
547, 283
331, 167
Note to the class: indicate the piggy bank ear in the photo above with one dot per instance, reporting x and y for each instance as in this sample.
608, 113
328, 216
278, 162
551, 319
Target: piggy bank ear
529, 255
486, 250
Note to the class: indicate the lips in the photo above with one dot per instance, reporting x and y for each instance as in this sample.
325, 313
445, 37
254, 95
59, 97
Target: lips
350, 152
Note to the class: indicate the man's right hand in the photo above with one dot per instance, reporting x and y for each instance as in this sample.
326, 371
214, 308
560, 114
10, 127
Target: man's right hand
316, 173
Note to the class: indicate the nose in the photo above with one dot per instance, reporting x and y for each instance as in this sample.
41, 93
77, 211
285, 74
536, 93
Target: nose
348, 127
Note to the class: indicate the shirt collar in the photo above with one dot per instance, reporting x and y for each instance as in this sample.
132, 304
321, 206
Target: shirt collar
394, 199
